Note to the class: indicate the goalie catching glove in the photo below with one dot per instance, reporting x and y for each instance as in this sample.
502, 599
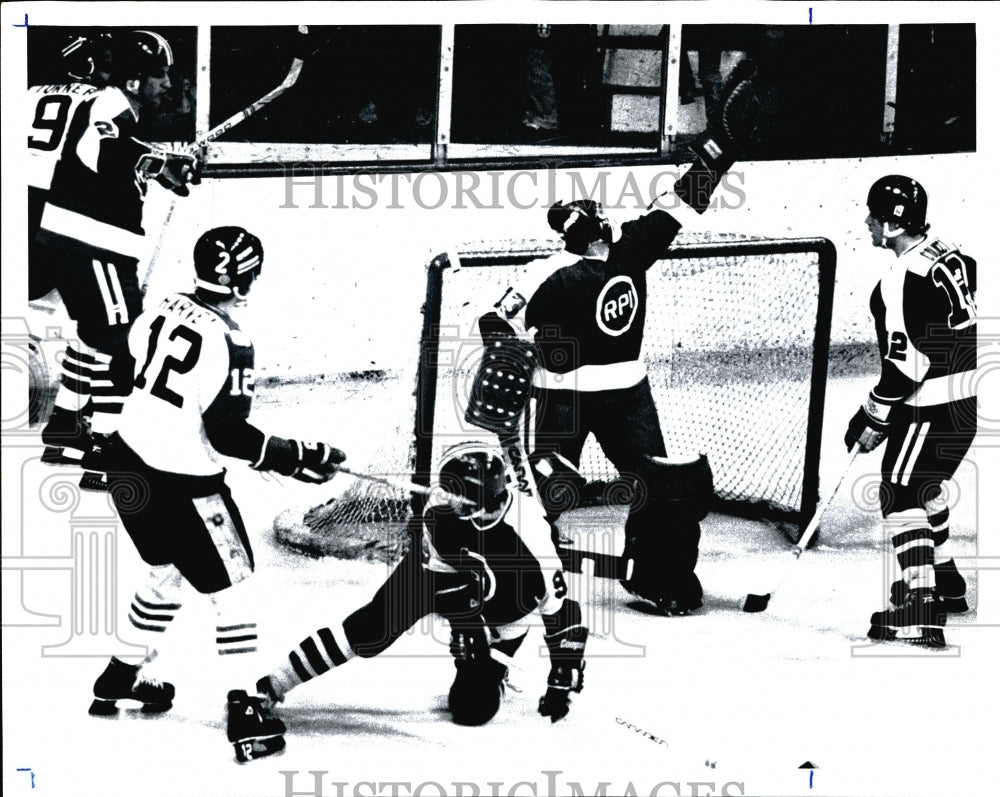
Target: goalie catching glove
173, 170
734, 123
314, 463
502, 385
870, 424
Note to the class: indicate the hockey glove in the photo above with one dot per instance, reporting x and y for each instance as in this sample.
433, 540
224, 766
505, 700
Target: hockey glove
502, 386
314, 463
869, 426
734, 124
566, 639
492, 327
172, 170
563, 679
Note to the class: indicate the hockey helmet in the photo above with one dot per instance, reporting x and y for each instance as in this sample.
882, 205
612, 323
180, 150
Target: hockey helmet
85, 58
478, 473
142, 53
580, 223
226, 262
900, 200
78, 57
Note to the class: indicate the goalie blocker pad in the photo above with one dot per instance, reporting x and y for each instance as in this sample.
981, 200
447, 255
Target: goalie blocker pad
502, 385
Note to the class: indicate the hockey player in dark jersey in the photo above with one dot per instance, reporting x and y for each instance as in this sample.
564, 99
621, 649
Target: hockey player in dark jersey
586, 321
486, 563
924, 407
86, 61
191, 403
91, 237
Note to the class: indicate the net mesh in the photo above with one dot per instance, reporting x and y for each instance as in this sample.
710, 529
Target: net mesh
729, 346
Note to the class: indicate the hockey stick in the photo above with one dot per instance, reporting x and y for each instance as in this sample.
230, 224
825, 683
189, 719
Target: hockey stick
250, 110
758, 603
410, 487
222, 129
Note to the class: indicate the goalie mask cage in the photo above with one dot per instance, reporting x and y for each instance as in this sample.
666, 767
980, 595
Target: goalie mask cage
736, 347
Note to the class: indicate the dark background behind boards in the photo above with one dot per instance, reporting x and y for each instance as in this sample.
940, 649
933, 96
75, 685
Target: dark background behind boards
824, 85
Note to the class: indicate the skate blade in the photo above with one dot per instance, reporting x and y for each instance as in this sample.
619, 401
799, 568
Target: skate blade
55, 455
922, 636
109, 708
103, 708
94, 482
258, 747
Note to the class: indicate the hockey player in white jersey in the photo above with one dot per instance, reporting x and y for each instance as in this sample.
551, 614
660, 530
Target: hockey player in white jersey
586, 322
485, 561
924, 407
193, 392
91, 236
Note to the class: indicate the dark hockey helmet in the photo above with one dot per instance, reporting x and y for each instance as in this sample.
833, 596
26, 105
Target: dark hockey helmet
141, 53
78, 57
226, 262
580, 223
899, 199
478, 473
86, 58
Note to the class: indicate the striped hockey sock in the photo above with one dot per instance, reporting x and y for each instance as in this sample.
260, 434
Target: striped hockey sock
315, 655
76, 374
155, 606
913, 545
106, 396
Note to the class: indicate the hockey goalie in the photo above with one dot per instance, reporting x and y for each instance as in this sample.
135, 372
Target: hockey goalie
573, 344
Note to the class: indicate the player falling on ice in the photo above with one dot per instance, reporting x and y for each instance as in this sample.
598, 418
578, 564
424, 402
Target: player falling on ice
191, 402
486, 563
924, 406
91, 236
586, 322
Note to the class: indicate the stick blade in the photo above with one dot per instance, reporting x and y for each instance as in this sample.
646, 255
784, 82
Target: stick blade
756, 603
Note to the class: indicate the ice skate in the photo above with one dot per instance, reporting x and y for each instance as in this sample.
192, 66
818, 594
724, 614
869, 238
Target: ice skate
66, 437
919, 620
251, 727
121, 681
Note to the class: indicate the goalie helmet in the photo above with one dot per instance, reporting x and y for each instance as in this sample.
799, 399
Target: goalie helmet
477, 473
142, 53
900, 200
580, 223
226, 262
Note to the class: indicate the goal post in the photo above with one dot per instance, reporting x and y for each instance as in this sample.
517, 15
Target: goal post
736, 345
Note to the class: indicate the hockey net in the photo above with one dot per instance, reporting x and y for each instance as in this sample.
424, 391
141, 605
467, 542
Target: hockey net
736, 346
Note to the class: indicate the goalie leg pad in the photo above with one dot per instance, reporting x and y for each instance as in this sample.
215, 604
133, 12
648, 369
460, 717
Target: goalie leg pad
663, 533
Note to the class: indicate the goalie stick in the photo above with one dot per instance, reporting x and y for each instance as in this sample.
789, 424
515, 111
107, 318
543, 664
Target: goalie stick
222, 129
758, 603
411, 487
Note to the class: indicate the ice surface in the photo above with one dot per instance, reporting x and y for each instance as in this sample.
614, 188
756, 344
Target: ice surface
724, 698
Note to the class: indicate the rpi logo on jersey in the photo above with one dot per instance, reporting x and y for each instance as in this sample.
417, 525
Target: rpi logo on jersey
616, 305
